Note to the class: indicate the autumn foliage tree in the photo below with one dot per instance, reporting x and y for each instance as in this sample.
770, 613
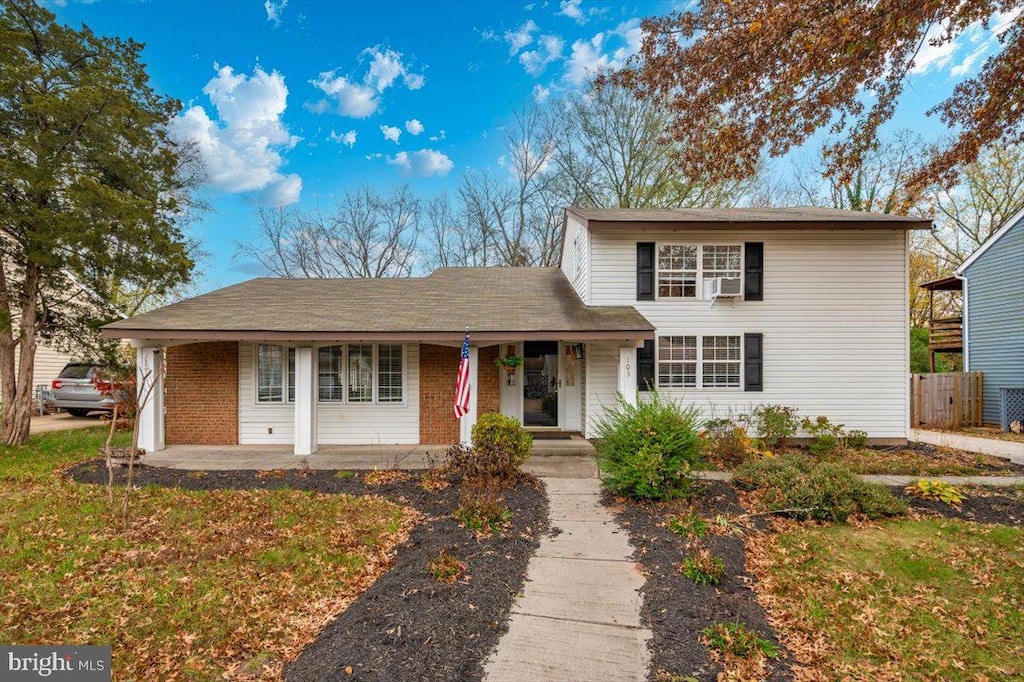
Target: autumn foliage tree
90, 186
744, 78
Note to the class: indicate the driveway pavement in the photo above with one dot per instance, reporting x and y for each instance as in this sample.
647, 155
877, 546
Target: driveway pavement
61, 422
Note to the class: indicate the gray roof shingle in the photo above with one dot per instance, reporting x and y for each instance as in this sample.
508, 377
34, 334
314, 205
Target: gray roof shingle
448, 301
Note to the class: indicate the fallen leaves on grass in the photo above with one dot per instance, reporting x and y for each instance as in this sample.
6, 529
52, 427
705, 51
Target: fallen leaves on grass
201, 585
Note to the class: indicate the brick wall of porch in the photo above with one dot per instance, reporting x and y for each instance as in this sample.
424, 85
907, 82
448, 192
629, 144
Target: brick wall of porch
438, 367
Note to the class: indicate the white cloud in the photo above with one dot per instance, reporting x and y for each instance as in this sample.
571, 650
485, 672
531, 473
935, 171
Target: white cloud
591, 57
540, 93
348, 138
352, 99
521, 37
930, 56
357, 99
424, 163
274, 10
571, 9
241, 149
414, 126
549, 49
391, 133
440, 136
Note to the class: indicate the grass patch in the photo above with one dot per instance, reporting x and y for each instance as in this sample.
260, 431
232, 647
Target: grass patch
202, 584
921, 599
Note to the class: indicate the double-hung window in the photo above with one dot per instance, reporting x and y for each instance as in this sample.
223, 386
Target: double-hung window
273, 380
718, 359
389, 373
677, 271
677, 361
360, 373
722, 261
330, 374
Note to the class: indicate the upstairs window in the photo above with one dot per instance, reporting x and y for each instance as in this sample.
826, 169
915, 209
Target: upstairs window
723, 261
677, 271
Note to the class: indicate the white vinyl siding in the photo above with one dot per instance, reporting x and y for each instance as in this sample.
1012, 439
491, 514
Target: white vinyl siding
834, 319
339, 423
576, 256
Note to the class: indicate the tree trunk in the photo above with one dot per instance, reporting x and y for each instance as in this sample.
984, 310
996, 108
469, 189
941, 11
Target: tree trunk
17, 417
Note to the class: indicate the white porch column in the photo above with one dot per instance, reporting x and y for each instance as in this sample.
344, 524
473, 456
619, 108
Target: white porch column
627, 374
305, 401
467, 422
149, 377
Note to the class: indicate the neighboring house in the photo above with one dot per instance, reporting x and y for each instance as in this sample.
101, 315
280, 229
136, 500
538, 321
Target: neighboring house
993, 286
724, 309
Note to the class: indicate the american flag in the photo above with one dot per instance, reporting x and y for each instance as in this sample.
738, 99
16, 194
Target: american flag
462, 385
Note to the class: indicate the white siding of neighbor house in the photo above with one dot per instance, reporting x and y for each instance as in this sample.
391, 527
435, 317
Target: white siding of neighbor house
834, 319
576, 256
49, 362
337, 423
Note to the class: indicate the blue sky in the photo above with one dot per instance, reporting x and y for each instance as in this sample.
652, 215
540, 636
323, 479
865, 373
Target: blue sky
293, 102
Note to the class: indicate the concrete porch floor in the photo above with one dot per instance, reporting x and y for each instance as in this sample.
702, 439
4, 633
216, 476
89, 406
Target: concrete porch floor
552, 458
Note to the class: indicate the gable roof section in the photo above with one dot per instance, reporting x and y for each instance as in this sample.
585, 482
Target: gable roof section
496, 304
797, 218
996, 236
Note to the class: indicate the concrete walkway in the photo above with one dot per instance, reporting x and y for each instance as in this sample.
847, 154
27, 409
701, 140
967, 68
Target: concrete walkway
1007, 449
578, 617
1001, 481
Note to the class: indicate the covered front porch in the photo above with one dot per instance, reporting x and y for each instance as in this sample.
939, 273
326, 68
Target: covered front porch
568, 458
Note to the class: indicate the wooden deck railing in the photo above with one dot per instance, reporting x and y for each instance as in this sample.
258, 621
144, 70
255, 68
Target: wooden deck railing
946, 335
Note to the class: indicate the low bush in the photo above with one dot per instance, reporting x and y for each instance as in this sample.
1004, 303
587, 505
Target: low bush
807, 489
737, 639
856, 439
482, 506
648, 450
772, 424
937, 490
725, 443
688, 524
703, 567
500, 447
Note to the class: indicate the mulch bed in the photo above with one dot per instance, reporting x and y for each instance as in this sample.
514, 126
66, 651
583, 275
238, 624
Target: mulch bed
983, 505
675, 608
407, 625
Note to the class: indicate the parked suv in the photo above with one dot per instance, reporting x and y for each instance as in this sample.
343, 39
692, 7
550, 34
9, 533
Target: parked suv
74, 390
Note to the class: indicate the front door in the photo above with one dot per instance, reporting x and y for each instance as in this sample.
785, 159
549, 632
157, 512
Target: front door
540, 383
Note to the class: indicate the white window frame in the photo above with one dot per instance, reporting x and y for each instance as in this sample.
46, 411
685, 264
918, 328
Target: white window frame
738, 362
377, 373
287, 350
695, 362
700, 361
699, 293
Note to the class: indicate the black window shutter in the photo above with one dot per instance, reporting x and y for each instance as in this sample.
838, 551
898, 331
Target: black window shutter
753, 275
645, 271
645, 366
753, 361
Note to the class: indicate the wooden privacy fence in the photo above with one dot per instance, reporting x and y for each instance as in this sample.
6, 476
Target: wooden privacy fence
949, 400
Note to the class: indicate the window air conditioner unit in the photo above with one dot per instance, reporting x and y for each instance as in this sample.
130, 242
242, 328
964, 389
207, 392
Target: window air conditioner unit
724, 287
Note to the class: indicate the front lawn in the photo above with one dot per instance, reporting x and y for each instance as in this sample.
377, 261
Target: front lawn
914, 599
201, 583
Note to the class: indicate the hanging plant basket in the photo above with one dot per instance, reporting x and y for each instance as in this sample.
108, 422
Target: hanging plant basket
511, 362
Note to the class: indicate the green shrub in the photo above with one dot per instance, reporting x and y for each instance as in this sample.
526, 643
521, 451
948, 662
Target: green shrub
772, 424
688, 524
815, 490
828, 438
648, 450
703, 567
937, 490
725, 443
500, 446
738, 640
857, 439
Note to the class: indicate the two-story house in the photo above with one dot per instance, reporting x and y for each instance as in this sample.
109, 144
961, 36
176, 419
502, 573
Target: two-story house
722, 308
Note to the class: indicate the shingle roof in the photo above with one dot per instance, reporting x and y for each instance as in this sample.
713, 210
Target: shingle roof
789, 216
487, 300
